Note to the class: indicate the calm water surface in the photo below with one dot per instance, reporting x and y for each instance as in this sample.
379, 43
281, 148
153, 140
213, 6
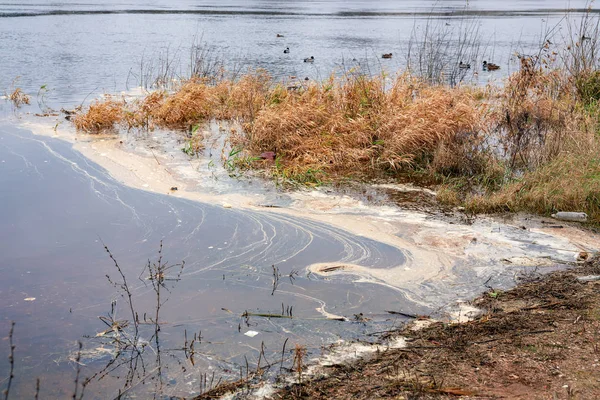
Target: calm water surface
78, 48
58, 209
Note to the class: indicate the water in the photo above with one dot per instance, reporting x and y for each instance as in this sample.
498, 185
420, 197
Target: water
57, 211
80, 48
57, 208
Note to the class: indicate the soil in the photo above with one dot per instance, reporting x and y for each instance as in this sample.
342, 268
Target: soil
540, 340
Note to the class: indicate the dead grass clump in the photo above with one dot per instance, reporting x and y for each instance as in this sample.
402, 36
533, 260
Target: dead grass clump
189, 105
198, 100
249, 94
18, 97
436, 116
357, 126
101, 116
308, 130
140, 114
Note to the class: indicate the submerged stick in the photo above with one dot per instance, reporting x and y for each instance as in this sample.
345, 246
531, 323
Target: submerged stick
264, 315
11, 360
403, 314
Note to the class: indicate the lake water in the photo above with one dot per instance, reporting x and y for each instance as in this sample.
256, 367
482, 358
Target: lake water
79, 48
57, 211
57, 207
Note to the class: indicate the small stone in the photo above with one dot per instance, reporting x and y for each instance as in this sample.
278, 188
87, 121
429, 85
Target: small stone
226, 205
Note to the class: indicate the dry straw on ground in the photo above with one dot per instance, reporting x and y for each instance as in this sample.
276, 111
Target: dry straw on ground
101, 116
18, 97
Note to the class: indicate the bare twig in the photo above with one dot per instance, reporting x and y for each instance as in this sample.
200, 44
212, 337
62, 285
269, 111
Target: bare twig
11, 360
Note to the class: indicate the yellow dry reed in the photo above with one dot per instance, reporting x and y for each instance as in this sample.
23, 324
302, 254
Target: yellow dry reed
101, 116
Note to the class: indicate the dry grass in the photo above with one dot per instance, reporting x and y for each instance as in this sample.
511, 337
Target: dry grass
535, 115
359, 126
537, 341
18, 97
196, 100
531, 144
139, 116
101, 116
570, 182
547, 127
190, 104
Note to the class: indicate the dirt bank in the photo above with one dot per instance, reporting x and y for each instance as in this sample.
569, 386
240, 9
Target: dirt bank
540, 340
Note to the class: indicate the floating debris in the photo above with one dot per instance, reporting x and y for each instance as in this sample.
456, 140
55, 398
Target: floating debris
570, 216
29, 299
333, 268
588, 278
251, 333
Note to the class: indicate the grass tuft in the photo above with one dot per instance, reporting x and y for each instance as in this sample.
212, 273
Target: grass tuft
101, 116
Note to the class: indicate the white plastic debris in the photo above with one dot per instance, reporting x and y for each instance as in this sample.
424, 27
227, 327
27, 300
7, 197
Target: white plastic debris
570, 216
589, 278
251, 333
29, 299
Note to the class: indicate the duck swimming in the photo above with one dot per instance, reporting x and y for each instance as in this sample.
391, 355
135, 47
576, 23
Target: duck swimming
287, 50
387, 55
311, 59
489, 66
462, 65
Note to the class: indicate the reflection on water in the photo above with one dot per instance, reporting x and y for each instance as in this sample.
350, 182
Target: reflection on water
57, 210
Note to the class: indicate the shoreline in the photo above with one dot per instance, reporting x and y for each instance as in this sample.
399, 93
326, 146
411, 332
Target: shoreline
434, 245
535, 341
418, 234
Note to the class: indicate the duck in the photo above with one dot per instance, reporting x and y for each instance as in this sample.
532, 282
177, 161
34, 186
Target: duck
462, 65
311, 59
287, 50
387, 55
489, 66
279, 35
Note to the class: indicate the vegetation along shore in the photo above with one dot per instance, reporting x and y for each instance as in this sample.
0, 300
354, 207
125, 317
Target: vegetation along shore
527, 144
